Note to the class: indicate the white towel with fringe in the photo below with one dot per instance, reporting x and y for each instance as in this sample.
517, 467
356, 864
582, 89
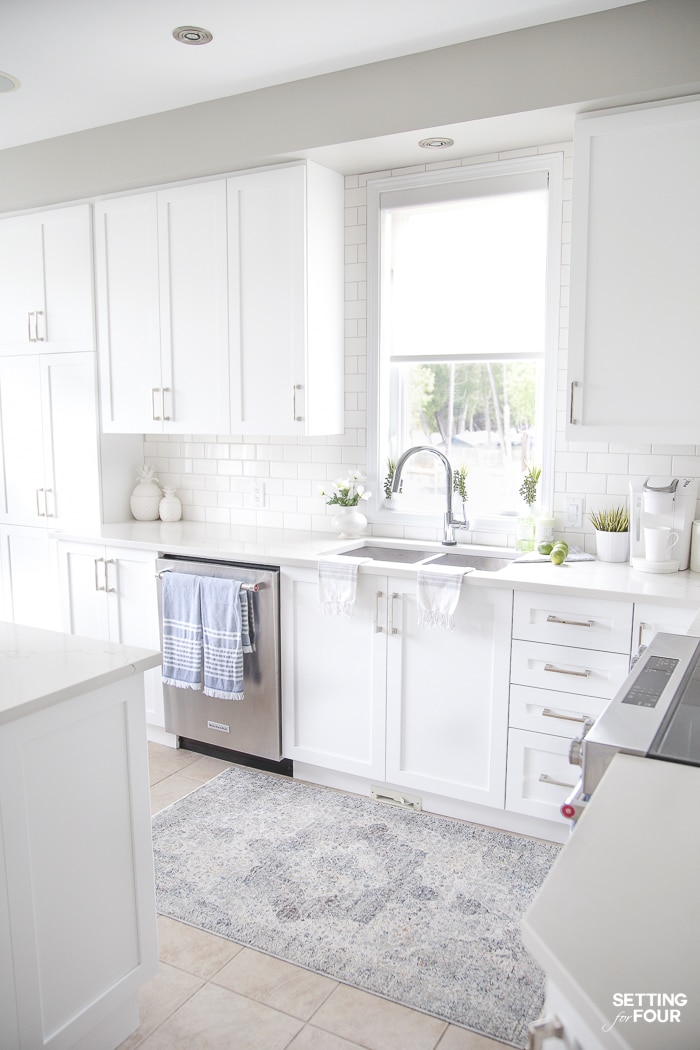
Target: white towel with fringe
438, 595
337, 583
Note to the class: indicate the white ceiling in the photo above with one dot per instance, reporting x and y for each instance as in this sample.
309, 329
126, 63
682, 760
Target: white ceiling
86, 63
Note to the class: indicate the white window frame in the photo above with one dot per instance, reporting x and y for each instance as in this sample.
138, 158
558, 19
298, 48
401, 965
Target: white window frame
552, 164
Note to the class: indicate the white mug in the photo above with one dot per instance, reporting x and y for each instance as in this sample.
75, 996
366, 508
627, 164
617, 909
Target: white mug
658, 543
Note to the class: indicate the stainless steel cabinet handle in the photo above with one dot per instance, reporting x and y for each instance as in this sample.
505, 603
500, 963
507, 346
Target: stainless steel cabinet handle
297, 419
154, 391
548, 713
564, 670
642, 628
30, 337
544, 1028
49, 513
545, 778
570, 623
164, 391
37, 315
392, 629
377, 628
110, 590
574, 384
40, 512
98, 586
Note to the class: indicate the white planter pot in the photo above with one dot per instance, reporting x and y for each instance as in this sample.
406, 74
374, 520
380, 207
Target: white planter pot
612, 546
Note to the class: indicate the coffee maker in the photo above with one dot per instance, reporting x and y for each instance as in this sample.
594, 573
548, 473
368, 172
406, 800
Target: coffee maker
662, 503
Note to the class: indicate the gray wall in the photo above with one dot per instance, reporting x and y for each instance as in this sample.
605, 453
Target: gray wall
631, 53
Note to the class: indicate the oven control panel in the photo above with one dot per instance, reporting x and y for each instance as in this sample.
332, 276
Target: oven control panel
651, 682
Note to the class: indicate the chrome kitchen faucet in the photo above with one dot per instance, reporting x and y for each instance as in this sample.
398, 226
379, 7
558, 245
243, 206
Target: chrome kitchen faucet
450, 522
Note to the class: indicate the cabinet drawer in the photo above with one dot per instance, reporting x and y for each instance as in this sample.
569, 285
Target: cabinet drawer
552, 711
588, 623
540, 776
650, 619
585, 672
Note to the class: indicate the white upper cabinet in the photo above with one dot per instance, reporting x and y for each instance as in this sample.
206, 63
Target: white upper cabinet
285, 235
46, 282
162, 310
634, 365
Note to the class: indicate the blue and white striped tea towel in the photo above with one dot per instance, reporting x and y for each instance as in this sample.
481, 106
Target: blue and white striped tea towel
222, 638
438, 595
182, 630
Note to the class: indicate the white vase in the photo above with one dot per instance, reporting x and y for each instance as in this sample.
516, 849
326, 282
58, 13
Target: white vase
612, 546
349, 522
170, 507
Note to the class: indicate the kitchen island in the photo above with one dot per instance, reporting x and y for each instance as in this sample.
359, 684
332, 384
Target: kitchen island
77, 907
616, 925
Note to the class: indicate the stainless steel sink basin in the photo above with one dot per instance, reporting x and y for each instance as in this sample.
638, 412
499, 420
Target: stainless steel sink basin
413, 556
485, 562
406, 555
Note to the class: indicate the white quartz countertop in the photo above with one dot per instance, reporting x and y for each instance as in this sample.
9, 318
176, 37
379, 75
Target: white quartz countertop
618, 913
298, 548
40, 668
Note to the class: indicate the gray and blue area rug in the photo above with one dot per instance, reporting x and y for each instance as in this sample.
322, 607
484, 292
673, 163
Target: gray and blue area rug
419, 909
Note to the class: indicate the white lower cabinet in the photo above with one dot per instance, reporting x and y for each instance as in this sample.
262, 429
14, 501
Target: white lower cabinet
110, 593
650, 618
374, 694
539, 774
28, 585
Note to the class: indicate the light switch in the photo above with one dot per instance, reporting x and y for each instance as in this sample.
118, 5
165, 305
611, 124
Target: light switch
574, 512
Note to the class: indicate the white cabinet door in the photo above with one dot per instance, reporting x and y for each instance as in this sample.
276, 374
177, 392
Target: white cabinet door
110, 593
650, 618
333, 676
162, 310
285, 280
540, 776
128, 319
635, 273
28, 577
447, 696
46, 282
49, 440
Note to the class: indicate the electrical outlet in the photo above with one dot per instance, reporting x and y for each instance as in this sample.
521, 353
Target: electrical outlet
574, 512
258, 490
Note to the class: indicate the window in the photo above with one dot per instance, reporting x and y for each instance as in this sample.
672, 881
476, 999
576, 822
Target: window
466, 279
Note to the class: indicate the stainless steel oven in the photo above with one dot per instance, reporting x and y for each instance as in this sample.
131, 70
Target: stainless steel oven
251, 726
656, 713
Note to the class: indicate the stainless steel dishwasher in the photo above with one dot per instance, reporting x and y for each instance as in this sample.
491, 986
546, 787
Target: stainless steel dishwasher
248, 727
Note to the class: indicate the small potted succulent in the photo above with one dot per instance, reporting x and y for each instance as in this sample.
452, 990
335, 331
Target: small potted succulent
611, 533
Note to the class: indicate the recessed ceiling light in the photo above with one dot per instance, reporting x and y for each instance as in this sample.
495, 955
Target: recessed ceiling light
436, 142
8, 83
192, 35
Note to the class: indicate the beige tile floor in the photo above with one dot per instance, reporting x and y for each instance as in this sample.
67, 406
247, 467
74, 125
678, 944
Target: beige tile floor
213, 994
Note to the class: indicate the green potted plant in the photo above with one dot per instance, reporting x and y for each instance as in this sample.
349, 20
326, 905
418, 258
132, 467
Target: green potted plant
459, 486
525, 534
391, 498
612, 533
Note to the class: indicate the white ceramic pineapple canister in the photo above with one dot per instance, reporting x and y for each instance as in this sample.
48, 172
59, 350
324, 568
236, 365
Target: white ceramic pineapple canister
146, 497
170, 508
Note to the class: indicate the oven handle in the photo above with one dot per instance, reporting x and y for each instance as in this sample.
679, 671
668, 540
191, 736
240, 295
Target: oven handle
244, 586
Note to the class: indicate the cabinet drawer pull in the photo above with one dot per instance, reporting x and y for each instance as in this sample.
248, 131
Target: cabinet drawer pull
548, 713
295, 417
110, 590
98, 586
570, 623
392, 629
564, 670
154, 391
574, 384
545, 778
377, 628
